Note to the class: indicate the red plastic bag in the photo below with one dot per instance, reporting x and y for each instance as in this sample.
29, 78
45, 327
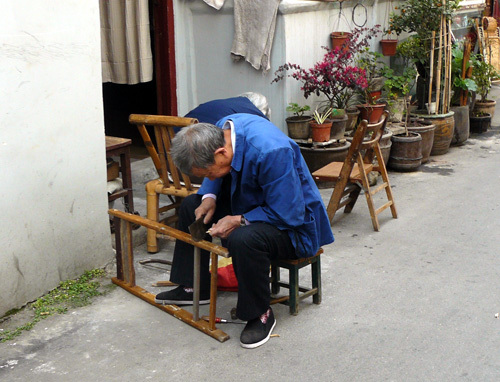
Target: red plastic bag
226, 279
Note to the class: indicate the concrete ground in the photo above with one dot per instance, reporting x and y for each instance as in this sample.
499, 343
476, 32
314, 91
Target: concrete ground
417, 301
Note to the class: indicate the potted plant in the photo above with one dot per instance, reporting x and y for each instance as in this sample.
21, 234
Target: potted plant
406, 150
321, 126
336, 76
482, 74
462, 88
397, 87
298, 124
424, 19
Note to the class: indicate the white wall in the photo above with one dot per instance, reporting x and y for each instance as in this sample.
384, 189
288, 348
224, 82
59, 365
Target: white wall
204, 37
53, 207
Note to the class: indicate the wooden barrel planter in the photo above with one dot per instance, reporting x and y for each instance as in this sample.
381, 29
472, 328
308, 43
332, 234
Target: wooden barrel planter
443, 134
462, 125
426, 131
385, 145
406, 152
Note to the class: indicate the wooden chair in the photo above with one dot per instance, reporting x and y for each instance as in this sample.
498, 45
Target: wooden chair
125, 270
296, 293
351, 175
171, 182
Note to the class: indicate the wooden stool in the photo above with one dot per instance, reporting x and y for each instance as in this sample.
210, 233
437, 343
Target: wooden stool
296, 292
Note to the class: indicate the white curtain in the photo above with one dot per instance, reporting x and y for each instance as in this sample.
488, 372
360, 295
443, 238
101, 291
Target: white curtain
125, 41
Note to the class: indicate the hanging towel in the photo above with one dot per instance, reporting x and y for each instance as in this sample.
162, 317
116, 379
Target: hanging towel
254, 25
217, 4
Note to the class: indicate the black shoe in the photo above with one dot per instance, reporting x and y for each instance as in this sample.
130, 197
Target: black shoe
179, 296
256, 333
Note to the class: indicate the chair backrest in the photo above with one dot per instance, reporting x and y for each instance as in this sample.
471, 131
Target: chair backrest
160, 154
376, 130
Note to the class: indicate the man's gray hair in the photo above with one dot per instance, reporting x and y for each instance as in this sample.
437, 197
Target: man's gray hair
260, 102
195, 146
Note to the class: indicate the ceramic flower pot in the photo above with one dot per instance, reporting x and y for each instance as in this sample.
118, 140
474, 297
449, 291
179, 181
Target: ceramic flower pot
388, 47
298, 127
339, 39
372, 113
480, 123
320, 132
443, 134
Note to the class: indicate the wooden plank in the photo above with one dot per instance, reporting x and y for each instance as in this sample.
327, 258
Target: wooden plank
126, 254
173, 310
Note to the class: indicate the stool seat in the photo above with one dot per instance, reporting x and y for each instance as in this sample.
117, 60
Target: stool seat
296, 293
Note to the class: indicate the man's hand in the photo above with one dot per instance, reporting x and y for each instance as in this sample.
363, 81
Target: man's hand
225, 226
207, 208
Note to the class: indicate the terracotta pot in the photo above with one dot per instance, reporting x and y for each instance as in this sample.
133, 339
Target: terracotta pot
320, 132
338, 39
487, 106
372, 113
443, 134
389, 47
462, 125
480, 124
374, 95
406, 152
298, 127
338, 127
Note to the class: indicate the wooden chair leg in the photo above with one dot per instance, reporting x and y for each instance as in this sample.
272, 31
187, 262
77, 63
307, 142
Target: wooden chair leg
385, 178
333, 204
354, 197
294, 290
316, 279
275, 278
152, 206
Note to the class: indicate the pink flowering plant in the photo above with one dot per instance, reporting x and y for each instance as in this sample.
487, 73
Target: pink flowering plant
336, 76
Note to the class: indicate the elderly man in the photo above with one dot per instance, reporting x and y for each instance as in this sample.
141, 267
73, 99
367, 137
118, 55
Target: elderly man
261, 200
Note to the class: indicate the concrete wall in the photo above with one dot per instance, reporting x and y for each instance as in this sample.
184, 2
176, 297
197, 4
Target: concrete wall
204, 37
53, 207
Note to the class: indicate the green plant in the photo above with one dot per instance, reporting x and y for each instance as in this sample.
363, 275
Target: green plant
296, 109
458, 83
69, 294
399, 85
320, 118
374, 68
482, 73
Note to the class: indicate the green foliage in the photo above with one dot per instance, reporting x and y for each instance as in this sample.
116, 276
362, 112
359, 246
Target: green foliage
69, 294
399, 85
459, 83
296, 109
482, 73
410, 50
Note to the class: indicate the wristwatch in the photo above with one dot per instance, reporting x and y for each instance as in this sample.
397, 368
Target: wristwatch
243, 221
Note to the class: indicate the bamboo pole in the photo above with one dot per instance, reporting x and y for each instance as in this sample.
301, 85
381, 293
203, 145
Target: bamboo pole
440, 57
433, 46
450, 58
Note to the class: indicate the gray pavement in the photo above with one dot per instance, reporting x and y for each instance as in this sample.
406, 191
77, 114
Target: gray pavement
417, 301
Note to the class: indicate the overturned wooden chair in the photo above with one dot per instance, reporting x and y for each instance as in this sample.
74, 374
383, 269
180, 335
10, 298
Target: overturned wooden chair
351, 175
171, 182
125, 271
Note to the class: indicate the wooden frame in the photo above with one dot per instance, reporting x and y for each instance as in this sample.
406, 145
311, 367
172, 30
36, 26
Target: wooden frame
125, 272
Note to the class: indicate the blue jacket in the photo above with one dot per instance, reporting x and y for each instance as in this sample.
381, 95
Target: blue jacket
271, 183
212, 111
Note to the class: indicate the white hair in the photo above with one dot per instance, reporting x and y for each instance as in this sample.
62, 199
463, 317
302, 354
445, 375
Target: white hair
260, 102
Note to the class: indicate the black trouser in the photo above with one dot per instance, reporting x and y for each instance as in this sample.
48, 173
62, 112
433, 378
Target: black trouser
252, 247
